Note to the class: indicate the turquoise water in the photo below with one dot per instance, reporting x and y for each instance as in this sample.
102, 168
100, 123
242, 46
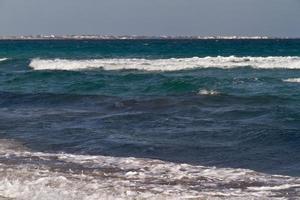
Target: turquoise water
223, 103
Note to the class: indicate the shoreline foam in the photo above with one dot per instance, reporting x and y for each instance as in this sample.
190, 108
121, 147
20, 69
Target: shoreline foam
36, 175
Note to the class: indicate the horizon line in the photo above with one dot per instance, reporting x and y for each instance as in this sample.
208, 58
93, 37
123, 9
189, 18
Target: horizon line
132, 37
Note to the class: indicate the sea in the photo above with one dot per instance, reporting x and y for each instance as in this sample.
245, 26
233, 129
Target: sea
150, 119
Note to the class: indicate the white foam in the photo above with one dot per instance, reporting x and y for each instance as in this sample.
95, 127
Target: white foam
172, 64
208, 92
280, 187
3, 59
36, 175
292, 80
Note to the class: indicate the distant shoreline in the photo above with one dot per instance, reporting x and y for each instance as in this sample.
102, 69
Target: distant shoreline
101, 37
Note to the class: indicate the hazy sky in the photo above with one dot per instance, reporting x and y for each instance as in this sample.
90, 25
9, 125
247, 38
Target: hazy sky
151, 17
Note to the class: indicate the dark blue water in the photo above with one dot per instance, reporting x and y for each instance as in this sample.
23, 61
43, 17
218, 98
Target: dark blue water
241, 117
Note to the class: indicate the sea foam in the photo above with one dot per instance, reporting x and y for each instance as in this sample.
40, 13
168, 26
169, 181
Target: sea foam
172, 64
208, 92
292, 80
34, 175
3, 59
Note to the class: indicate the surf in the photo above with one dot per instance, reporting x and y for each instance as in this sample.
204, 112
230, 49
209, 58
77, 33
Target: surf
25, 174
172, 64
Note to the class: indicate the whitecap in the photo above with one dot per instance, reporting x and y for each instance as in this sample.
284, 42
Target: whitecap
208, 92
172, 64
292, 80
3, 59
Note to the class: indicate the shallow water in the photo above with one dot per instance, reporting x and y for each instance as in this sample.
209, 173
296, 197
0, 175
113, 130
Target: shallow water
36, 175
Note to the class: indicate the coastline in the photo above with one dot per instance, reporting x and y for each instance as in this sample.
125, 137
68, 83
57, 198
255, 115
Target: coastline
111, 37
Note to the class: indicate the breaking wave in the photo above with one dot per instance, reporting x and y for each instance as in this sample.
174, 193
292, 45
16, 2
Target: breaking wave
34, 175
292, 80
3, 59
208, 92
172, 64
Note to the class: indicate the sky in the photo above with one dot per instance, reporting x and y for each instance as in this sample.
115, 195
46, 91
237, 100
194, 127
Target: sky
279, 18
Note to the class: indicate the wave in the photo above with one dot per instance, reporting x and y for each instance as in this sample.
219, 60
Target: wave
172, 64
292, 80
3, 59
35, 175
208, 92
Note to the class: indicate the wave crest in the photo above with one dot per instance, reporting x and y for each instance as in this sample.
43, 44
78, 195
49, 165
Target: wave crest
3, 59
208, 92
292, 80
172, 64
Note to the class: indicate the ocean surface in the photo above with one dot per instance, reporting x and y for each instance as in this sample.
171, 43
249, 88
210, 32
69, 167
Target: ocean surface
150, 119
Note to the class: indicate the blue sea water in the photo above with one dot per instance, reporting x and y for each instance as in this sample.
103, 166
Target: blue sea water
223, 103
